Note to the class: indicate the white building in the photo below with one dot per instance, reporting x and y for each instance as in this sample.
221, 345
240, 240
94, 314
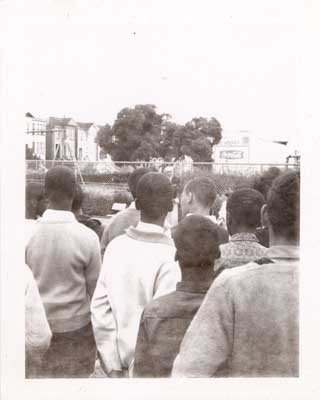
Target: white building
35, 135
87, 148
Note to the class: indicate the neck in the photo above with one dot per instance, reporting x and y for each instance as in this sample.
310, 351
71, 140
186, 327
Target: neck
158, 221
200, 210
242, 229
194, 274
61, 206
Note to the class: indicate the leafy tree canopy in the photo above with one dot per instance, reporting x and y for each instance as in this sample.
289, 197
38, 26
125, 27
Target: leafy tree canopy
140, 133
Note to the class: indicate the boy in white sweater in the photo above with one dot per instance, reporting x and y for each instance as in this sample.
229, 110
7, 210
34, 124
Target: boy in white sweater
137, 267
64, 257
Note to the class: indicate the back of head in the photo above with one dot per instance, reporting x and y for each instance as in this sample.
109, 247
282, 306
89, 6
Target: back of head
60, 183
134, 179
244, 206
197, 242
203, 189
283, 206
78, 199
154, 195
263, 183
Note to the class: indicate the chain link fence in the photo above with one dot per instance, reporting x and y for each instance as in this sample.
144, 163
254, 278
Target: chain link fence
115, 174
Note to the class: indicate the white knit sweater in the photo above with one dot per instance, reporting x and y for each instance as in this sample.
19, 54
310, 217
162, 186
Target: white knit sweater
137, 267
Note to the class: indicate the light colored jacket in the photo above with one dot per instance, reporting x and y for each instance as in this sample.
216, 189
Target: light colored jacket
37, 330
137, 267
64, 257
247, 325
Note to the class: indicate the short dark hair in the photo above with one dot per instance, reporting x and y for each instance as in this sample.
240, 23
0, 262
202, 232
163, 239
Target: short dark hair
245, 207
78, 198
60, 181
197, 242
134, 179
204, 190
154, 194
283, 205
263, 183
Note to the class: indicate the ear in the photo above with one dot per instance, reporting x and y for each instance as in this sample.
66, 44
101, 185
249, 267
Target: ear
264, 216
190, 197
170, 208
137, 203
228, 218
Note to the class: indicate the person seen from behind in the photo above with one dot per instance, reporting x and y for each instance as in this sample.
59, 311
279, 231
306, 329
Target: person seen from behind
166, 319
243, 218
137, 267
64, 257
248, 323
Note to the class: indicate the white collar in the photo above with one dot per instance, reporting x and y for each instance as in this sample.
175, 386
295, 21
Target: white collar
57, 216
143, 226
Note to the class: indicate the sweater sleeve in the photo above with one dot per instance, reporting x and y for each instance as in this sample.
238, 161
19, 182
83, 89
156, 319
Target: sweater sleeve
167, 278
37, 330
208, 341
93, 268
104, 326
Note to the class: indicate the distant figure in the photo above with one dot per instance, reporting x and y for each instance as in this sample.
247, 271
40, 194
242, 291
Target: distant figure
166, 319
243, 218
64, 257
37, 330
126, 218
197, 198
247, 326
84, 219
137, 267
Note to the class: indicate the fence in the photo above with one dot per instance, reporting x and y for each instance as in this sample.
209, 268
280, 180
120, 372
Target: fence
114, 175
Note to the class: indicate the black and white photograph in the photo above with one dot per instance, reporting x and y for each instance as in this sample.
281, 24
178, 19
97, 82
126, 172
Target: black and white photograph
157, 226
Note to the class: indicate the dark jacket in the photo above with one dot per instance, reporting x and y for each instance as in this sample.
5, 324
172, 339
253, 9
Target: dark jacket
162, 328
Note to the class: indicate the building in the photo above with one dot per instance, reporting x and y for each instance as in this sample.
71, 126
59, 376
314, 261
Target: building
244, 147
61, 139
87, 148
35, 135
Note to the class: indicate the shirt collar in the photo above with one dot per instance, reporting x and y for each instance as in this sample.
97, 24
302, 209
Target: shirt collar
194, 287
57, 216
152, 228
284, 252
132, 205
244, 236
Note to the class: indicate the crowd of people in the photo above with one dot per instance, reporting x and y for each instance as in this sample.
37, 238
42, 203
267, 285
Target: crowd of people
142, 297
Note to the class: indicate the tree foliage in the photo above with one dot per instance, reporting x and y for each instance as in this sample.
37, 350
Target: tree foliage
140, 133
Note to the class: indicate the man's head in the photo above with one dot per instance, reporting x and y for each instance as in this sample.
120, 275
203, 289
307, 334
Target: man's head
77, 200
197, 242
134, 179
282, 210
244, 210
198, 196
60, 186
263, 183
154, 197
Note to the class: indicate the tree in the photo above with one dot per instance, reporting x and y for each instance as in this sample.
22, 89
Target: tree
104, 138
137, 133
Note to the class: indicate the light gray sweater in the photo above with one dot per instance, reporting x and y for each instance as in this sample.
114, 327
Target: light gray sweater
64, 257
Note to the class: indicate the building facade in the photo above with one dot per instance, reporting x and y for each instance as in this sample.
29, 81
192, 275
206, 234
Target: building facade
87, 148
35, 135
61, 139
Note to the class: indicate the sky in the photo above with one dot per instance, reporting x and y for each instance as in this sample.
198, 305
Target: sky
235, 61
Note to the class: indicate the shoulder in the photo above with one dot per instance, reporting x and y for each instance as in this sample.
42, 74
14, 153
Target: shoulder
236, 274
160, 305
